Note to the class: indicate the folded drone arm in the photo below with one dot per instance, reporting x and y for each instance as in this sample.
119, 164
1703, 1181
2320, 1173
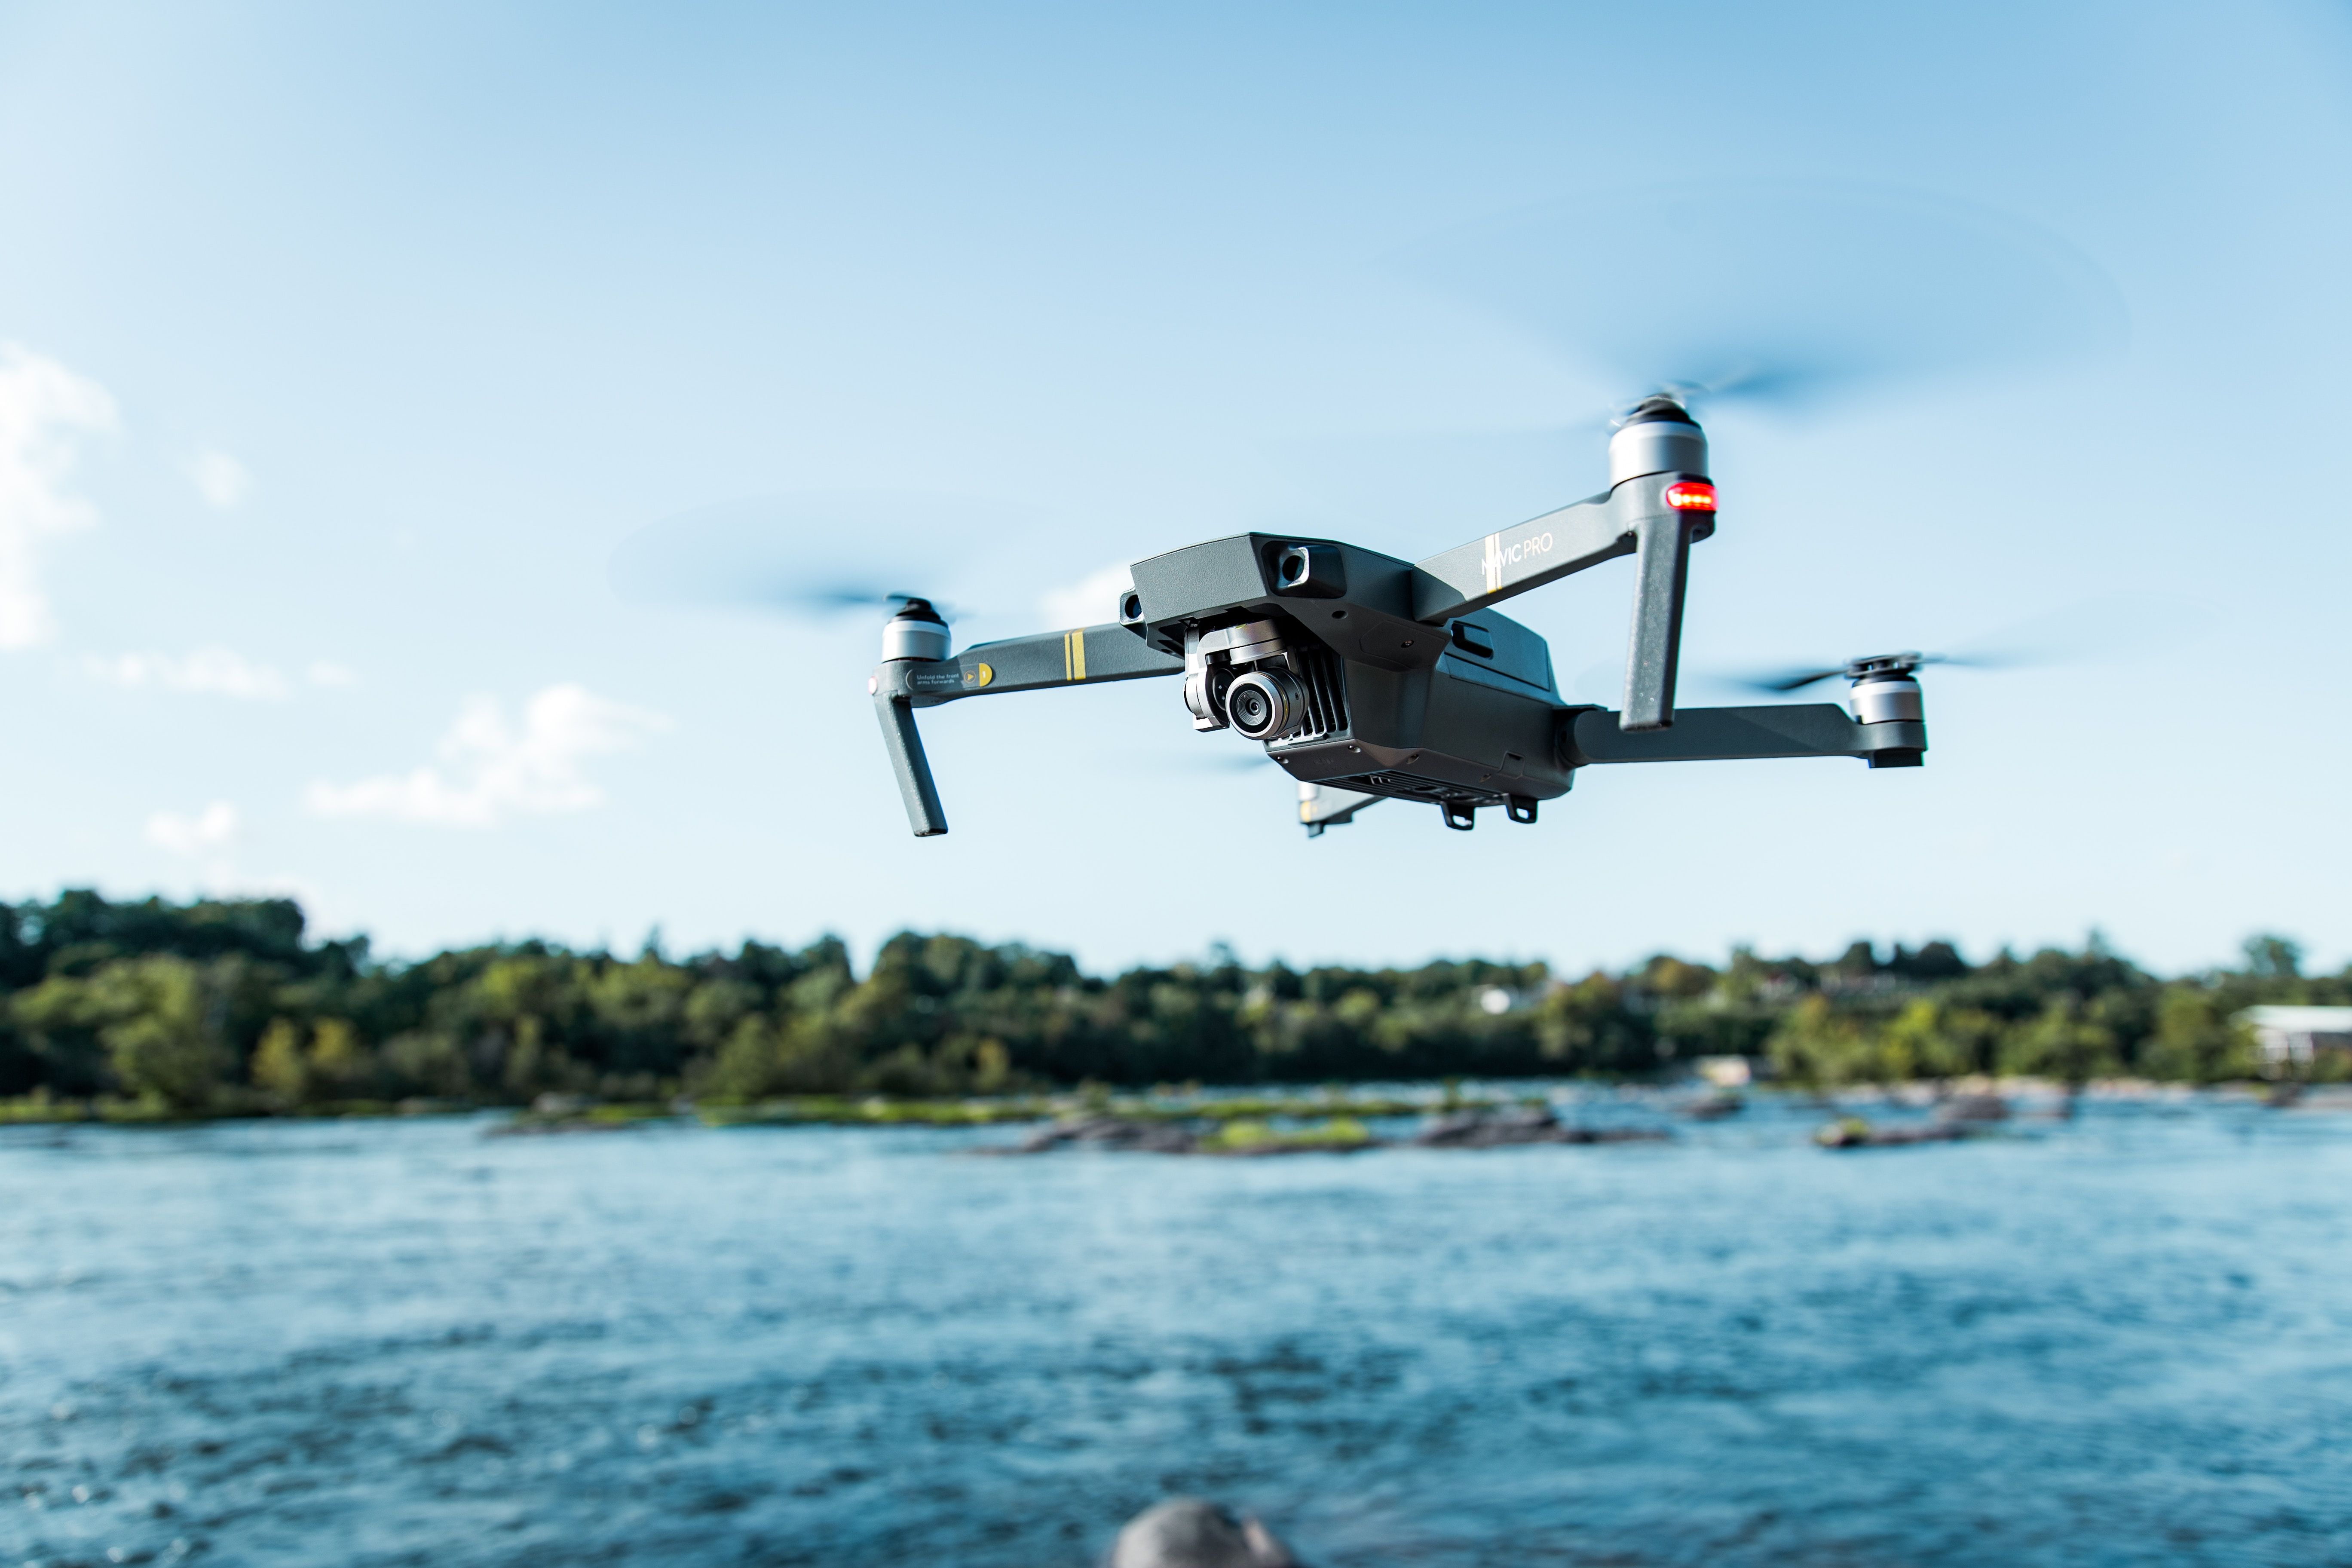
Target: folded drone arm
1084, 655
1046, 659
1726, 734
908, 766
1505, 564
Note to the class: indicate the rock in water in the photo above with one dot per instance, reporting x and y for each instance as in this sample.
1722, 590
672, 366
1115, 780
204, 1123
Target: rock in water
1973, 1108
1193, 1532
1490, 1127
1500, 1126
1854, 1133
1112, 1133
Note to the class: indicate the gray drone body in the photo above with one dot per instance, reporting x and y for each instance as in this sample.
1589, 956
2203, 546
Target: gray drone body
1367, 678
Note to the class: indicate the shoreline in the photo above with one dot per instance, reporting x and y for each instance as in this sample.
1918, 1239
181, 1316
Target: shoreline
1214, 1104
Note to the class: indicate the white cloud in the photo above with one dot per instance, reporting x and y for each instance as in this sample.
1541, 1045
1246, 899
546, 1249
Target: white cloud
44, 407
210, 836
214, 827
489, 770
216, 671
327, 672
220, 479
1087, 602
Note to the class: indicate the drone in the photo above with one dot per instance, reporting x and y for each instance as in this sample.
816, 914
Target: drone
1369, 679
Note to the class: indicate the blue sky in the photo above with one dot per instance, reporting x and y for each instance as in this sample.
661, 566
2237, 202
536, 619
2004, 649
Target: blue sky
345, 345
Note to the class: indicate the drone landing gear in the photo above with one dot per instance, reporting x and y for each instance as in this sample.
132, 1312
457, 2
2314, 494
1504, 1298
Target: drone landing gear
1463, 818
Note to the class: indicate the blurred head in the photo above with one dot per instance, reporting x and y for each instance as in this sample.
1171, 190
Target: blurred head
1193, 1532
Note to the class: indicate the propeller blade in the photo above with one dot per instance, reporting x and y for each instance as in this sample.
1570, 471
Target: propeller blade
2086, 630
1780, 293
2089, 630
809, 556
1795, 680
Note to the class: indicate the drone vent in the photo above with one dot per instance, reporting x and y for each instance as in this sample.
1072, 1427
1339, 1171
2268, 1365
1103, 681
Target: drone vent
1327, 703
1317, 670
1406, 786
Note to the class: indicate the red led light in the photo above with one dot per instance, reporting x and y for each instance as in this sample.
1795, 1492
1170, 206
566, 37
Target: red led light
1691, 495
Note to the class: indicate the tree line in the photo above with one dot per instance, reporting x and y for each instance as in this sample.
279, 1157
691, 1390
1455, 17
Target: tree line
230, 1007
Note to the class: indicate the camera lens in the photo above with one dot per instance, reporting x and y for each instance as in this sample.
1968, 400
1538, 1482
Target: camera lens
1266, 703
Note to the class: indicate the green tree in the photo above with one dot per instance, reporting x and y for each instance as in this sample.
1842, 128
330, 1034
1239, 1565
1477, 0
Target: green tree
425, 1061
2064, 1044
162, 1038
1931, 1040
2270, 957
2196, 1042
278, 1064
1816, 1047
1589, 1027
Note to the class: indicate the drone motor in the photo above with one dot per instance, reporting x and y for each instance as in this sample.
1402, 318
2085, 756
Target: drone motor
1879, 699
916, 632
1886, 691
1657, 438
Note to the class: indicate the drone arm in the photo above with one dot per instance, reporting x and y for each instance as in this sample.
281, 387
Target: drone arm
1662, 568
1632, 518
1501, 566
1041, 661
912, 769
1017, 664
1723, 734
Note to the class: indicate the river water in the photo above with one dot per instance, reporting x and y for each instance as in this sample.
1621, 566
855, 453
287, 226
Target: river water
2125, 1339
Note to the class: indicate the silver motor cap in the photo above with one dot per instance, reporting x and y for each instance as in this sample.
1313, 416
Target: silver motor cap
915, 632
1659, 437
1880, 700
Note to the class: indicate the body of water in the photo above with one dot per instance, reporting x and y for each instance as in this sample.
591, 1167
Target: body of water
2125, 1339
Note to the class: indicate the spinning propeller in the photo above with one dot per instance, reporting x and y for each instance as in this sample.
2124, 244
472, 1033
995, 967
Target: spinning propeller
811, 556
1884, 664
1788, 295
2086, 630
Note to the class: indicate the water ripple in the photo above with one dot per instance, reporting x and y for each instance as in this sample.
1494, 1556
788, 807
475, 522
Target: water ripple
2117, 1342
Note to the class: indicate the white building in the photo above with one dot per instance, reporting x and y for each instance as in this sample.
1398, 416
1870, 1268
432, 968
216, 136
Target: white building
2294, 1034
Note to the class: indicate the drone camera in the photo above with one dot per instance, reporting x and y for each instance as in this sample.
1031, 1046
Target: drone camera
1266, 702
1204, 695
1309, 572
